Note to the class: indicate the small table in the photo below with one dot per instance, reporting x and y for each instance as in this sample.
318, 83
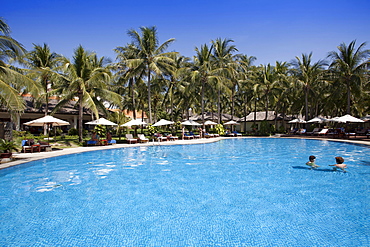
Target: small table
36, 147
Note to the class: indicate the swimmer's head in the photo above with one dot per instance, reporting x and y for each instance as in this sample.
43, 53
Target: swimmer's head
312, 158
339, 160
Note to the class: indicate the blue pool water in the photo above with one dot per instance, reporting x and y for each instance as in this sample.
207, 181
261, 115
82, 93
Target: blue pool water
235, 192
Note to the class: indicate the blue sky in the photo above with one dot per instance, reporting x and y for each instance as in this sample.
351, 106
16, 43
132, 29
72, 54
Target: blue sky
267, 29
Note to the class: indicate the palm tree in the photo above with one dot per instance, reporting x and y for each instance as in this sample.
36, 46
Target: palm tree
225, 62
12, 81
177, 80
86, 78
349, 67
42, 63
151, 57
266, 84
203, 72
308, 76
127, 76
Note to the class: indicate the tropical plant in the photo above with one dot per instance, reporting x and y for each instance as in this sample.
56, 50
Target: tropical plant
308, 76
151, 57
86, 78
42, 63
350, 67
8, 146
12, 81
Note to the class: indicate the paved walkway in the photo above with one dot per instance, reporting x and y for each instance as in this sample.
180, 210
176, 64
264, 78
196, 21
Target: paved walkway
21, 158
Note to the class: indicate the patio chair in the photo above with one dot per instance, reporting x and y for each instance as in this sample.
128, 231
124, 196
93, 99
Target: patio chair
314, 131
91, 143
44, 146
26, 146
196, 136
322, 132
301, 132
187, 136
237, 133
110, 142
130, 139
208, 135
142, 138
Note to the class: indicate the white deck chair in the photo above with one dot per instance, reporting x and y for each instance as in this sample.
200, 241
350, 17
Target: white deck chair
130, 139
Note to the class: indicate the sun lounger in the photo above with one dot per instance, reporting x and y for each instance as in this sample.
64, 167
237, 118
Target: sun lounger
322, 132
142, 138
208, 135
237, 133
26, 146
172, 138
301, 132
91, 143
195, 135
315, 130
187, 136
130, 139
110, 142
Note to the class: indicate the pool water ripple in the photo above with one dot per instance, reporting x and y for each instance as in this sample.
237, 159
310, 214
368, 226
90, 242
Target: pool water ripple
237, 192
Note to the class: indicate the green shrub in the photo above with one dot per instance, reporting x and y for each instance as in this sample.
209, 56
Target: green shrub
73, 132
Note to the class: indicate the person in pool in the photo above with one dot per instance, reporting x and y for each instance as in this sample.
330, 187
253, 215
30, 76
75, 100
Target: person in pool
311, 162
339, 164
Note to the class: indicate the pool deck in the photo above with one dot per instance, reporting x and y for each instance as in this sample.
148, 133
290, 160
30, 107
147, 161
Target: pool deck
21, 158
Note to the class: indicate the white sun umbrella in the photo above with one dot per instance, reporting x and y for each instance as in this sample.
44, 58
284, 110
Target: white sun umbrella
190, 122
297, 120
163, 122
48, 121
346, 119
101, 121
232, 122
208, 122
317, 120
134, 122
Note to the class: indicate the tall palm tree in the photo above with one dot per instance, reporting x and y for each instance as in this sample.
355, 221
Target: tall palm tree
87, 79
226, 64
308, 76
349, 66
12, 81
151, 58
42, 63
203, 71
176, 80
266, 84
127, 76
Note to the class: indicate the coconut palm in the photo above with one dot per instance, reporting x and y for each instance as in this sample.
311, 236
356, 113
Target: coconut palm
203, 72
266, 84
151, 57
12, 81
86, 78
42, 63
349, 67
227, 66
308, 76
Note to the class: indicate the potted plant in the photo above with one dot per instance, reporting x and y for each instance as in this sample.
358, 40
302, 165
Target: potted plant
7, 147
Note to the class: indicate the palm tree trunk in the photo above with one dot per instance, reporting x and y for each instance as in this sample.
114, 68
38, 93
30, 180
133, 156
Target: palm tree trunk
133, 97
202, 100
149, 98
80, 116
219, 106
348, 98
306, 103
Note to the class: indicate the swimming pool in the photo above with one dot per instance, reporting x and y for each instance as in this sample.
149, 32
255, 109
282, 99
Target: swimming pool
235, 192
